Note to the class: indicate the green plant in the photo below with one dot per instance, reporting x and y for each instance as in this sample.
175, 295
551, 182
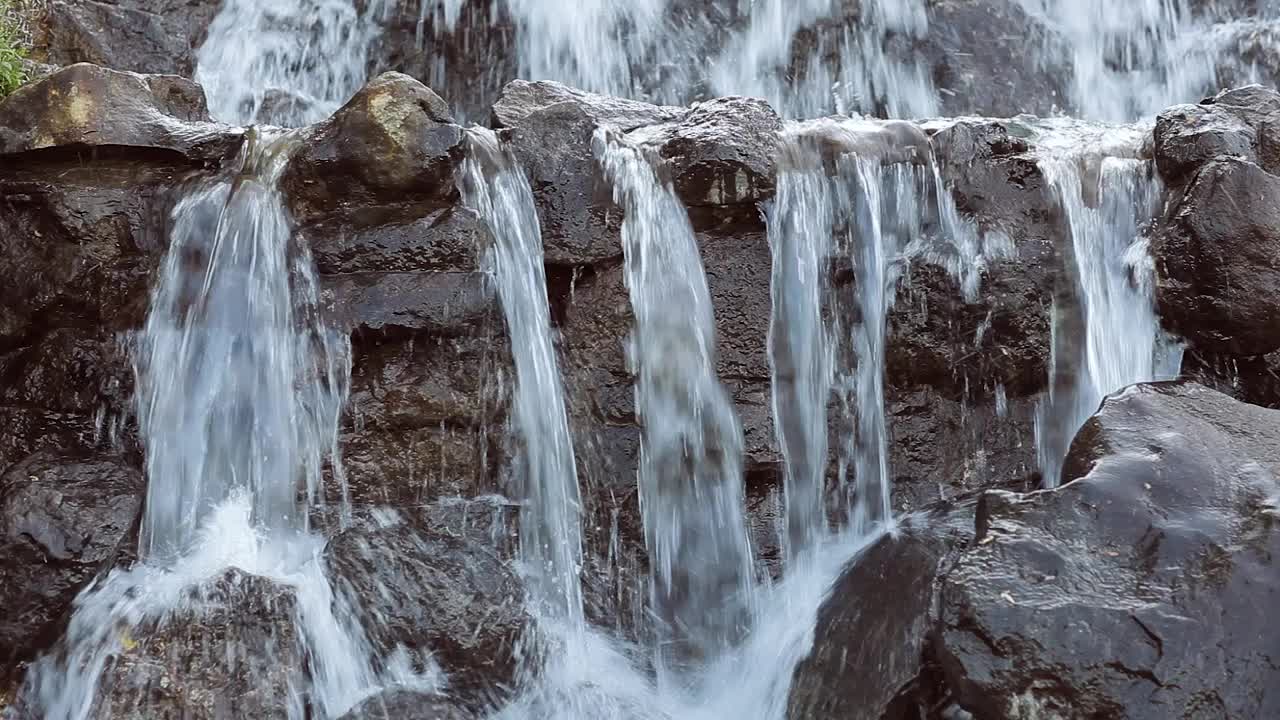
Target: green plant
13, 48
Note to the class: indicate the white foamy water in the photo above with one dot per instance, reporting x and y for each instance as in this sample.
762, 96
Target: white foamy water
286, 62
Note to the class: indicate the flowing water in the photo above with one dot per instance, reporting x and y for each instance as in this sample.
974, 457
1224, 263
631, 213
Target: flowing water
286, 62
691, 494
1107, 195
240, 389
493, 184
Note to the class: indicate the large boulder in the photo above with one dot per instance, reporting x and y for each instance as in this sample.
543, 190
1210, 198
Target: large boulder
869, 656
1218, 259
394, 141
62, 521
87, 105
149, 36
1242, 122
439, 589
231, 649
1141, 588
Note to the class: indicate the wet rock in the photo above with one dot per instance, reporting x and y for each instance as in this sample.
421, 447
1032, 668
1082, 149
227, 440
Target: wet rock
972, 43
1217, 259
68, 370
1143, 587
550, 127
397, 238
445, 303
869, 656
79, 238
149, 36
1242, 122
88, 105
722, 151
230, 650
944, 338
407, 705
62, 519
432, 587
521, 99
1255, 380
395, 141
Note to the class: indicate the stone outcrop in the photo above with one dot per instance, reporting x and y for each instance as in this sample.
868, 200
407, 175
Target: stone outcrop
1140, 587
437, 585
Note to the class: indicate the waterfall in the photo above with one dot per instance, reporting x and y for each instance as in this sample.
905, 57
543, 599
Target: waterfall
240, 389
755, 60
1106, 202
493, 184
691, 478
286, 62
800, 350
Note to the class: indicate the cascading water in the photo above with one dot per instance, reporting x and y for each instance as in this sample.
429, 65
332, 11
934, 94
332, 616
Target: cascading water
800, 351
240, 388
1106, 201
493, 184
691, 449
756, 60
286, 62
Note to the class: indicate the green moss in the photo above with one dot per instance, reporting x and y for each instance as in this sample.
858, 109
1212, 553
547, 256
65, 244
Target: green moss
13, 47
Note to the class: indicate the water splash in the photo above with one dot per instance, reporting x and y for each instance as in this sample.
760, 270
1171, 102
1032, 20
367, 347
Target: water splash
493, 184
286, 62
691, 448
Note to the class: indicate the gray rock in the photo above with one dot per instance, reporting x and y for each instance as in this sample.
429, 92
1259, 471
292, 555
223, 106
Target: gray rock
149, 36
434, 588
407, 705
1217, 258
1142, 588
62, 520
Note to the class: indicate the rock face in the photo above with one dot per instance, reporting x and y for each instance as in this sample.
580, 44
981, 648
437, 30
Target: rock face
91, 105
62, 521
1141, 589
436, 587
407, 705
869, 656
232, 652
394, 140
149, 36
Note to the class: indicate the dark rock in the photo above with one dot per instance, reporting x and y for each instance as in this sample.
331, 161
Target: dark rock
1244, 123
1143, 587
68, 370
407, 705
230, 650
869, 655
88, 105
62, 520
397, 238
79, 238
395, 141
722, 151
148, 36
550, 127
446, 303
1218, 260
433, 588
1255, 380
